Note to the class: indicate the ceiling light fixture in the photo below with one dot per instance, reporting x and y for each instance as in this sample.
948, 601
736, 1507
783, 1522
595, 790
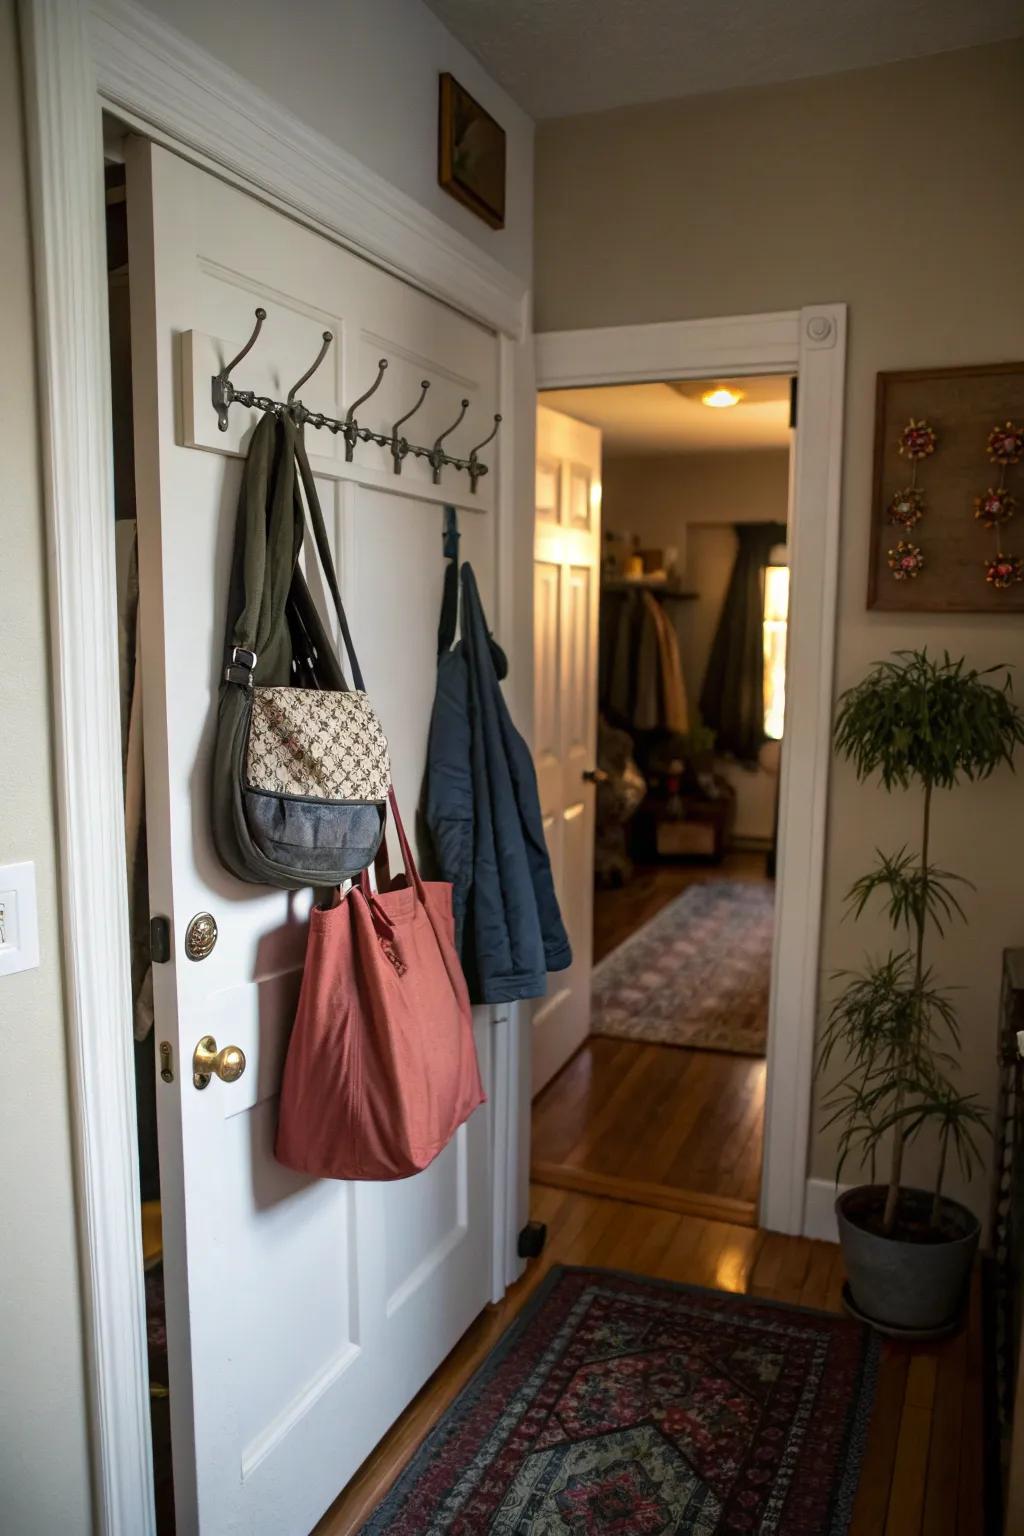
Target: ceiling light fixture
721, 398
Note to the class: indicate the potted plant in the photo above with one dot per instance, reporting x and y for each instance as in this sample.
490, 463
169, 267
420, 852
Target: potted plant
924, 724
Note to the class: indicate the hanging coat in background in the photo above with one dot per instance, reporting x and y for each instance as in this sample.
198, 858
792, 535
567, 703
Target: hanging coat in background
482, 811
670, 667
732, 698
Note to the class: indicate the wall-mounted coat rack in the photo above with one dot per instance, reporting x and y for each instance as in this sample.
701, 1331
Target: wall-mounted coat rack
225, 394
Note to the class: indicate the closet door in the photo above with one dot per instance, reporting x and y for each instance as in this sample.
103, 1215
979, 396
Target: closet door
567, 544
302, 1314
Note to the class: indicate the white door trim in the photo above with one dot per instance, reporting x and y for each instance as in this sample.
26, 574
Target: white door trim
811, 343
77, 60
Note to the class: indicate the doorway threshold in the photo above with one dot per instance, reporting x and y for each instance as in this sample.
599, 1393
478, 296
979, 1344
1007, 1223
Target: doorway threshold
682, 1202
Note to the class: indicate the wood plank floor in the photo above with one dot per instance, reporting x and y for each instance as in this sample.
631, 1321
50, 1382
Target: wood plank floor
659, 1124
922, 1473
663, 1126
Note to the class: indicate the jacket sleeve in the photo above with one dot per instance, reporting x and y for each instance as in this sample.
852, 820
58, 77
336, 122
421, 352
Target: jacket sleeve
557, 949
449, 798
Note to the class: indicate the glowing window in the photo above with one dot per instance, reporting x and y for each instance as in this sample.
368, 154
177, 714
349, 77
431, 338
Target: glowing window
776, 612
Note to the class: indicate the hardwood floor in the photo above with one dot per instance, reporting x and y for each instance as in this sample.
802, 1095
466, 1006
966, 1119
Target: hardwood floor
658, 1124
923, 1466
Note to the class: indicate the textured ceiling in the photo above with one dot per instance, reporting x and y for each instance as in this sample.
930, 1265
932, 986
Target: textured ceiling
558, 57
670, 418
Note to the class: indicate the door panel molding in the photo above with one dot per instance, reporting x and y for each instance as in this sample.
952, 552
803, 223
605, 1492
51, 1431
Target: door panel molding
76, 59
809, 342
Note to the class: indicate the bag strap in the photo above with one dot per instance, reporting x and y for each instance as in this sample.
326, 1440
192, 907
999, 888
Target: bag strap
382, 864
450, 600
323, 547
266, 550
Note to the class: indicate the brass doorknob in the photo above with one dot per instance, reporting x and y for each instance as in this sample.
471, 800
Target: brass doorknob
207, 1062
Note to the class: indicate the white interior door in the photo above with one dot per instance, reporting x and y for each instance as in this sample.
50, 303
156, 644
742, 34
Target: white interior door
302, 1315
567, 563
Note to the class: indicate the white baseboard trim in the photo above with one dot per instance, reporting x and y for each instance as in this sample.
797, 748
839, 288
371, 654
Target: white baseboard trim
819, 1209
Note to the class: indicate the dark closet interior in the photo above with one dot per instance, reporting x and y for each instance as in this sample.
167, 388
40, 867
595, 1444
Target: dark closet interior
136, 872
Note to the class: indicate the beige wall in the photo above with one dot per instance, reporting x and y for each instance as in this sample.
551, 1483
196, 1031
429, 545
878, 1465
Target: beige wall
689, 502
657, 495
888, 189
44, 1480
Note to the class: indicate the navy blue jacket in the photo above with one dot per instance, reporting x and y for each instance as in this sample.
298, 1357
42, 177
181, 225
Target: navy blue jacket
482, 810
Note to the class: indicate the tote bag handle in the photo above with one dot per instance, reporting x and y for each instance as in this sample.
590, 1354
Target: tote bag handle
382, 864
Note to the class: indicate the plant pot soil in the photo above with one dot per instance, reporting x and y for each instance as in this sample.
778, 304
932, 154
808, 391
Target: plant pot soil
917, 1278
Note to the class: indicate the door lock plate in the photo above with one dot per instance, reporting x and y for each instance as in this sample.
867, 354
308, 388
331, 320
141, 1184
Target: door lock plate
159, 940
200, 936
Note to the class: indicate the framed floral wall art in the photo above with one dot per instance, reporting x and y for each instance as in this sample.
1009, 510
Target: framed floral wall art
947, 517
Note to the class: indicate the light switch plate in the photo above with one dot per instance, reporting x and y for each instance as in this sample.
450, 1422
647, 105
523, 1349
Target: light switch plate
19, 918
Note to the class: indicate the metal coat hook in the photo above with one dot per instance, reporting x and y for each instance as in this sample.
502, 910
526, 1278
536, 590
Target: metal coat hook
327, 339
351, 428
223, 391
436, 457
473, 466
225, 394
400, 445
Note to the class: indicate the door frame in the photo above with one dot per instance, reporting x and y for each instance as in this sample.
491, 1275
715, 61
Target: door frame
810, 343
77, 61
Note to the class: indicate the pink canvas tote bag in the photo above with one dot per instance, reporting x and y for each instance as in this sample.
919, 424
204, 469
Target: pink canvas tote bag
381, 1068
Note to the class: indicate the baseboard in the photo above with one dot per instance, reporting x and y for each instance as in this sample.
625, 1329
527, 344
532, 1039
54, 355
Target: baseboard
819, 1209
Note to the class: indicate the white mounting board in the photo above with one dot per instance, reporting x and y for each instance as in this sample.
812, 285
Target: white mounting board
203, 356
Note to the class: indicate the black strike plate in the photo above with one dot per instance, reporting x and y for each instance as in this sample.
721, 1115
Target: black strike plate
159, 940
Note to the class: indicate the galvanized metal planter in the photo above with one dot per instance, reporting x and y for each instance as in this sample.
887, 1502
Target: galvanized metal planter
905, 1285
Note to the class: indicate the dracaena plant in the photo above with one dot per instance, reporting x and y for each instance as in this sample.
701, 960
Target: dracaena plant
926, 725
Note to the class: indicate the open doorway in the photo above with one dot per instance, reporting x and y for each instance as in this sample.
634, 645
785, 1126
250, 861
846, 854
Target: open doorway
659, 1095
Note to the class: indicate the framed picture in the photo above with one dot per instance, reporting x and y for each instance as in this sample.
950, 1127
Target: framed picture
947, 517
471, 154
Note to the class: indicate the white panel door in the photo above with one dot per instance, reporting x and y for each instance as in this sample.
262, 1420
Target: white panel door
567, 545
302, 1314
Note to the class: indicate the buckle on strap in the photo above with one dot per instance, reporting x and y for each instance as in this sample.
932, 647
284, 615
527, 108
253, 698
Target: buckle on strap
241, 665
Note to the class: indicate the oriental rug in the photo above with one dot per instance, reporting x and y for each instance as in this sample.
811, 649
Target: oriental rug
697, 974
622, 1406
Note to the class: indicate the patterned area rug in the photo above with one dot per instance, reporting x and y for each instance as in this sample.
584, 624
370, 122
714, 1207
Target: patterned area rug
697, 974
617, 1406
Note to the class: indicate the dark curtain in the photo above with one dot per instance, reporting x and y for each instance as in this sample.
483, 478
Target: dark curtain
732, 698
